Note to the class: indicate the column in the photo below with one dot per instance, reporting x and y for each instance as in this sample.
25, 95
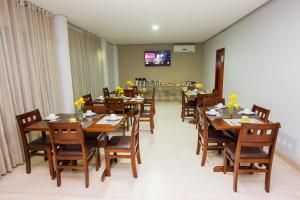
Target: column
63, 57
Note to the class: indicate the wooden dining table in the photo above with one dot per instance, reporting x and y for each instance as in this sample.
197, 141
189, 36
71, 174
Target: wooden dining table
91, 124
127, 101
229, 122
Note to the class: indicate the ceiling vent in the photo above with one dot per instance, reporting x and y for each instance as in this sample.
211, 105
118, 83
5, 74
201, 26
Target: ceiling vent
184, 48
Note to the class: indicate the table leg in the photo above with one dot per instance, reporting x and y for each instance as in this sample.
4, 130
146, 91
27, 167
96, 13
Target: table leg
103, 176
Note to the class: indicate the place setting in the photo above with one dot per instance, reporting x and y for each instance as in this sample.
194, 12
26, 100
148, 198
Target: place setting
52, 117
110, 119
89, 113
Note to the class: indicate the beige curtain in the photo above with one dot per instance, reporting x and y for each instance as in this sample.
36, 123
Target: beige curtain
28, 78
86, 62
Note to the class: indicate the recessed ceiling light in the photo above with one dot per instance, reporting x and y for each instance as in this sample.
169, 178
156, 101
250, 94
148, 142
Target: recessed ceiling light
155, 27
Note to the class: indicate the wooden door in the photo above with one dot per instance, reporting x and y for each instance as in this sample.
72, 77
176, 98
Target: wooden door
220, 56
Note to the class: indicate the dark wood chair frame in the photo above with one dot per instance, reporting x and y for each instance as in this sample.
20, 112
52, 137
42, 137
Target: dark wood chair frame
116, 106
106, 92
132, 152
70, 133
253, 136
263, 113
217, 142
25, 120
186, 106
148, 116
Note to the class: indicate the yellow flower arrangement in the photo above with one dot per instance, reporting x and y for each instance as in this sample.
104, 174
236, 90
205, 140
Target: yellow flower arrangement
78, 103
129, 83
119, 91
232, 104
199, 86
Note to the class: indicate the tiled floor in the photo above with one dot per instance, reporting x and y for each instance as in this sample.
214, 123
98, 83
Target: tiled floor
170, 169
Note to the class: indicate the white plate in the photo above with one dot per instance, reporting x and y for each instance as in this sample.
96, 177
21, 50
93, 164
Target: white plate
108, 118
89, 115
217, 107
48, 118
212, 114
246, 113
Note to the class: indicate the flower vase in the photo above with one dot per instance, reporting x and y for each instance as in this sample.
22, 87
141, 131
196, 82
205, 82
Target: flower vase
231, 112
79, 113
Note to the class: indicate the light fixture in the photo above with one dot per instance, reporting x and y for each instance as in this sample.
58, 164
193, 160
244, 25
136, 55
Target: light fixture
155, 27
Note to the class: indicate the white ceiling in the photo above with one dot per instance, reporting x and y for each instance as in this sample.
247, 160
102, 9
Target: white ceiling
130, 21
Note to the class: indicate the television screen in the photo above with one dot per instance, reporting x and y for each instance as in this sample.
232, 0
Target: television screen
157, 58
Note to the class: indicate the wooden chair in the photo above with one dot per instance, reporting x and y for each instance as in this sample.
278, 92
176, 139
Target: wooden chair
98, 139
106, 92
263, 113
129, 93
208, 137
88, 100
117, 106
214, 93
200, 99
249, 149
186, 106
149, 100
148, 116
212, 101
34, 147
68, 144
128, 145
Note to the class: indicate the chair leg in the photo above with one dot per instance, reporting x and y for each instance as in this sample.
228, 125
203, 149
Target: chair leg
225, 163
45, 155
97, 159
151, 125
107, 163
198, 146
267, 179
133, 165
235, 175
28, 163
50, 163
86, 174
58, 171
204, 153
219, 150
138, 156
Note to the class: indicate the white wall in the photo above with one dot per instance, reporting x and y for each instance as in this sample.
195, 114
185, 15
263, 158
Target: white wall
262, 66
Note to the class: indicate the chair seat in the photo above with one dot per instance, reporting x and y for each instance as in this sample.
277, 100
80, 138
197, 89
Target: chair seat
190, 104
215, 135
75, 151
119, 142
246, 152
131, 111
40, 143
148, 101
94, 136
145, 113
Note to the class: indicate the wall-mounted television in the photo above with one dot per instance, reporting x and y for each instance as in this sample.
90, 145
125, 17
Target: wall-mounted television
157, 58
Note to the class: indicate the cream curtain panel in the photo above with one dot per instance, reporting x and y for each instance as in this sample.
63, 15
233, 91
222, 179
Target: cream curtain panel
86, 62
28, 78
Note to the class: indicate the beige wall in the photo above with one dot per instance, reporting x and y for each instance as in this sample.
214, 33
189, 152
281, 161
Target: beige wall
184, 66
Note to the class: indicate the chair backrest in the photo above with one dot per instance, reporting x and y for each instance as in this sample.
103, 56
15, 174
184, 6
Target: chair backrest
215, 92
200, 99
128, 92
202, 122
263, 113
135, 90
135, 131
183, 98
25, 120
99, 109
212, 101
114, 105
258, 135
106, 92
87, 99
66, 133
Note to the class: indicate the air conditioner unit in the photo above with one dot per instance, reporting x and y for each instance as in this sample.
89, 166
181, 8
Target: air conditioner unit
184, 48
